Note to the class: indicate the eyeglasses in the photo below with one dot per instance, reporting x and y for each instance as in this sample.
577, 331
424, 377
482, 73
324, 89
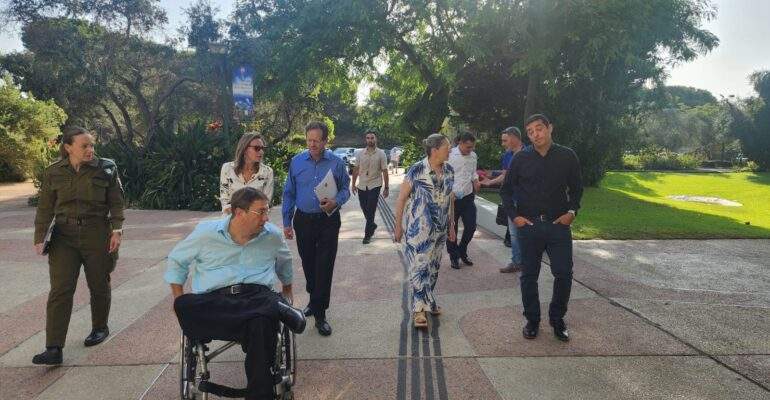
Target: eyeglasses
261, 212
258, 148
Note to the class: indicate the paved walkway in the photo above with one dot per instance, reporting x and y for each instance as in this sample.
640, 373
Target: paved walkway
649, 319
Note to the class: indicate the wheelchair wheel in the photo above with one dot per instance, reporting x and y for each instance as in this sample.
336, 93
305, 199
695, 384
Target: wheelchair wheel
284, 368
187, 366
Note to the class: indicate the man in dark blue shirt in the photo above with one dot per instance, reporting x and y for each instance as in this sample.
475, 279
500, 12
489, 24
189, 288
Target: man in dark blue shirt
546, 180
316, 221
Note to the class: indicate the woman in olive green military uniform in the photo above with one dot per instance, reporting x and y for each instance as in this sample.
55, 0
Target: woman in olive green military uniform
83, 195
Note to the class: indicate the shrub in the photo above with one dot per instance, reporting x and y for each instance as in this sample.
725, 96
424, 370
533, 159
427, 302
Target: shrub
26, 126
653, 158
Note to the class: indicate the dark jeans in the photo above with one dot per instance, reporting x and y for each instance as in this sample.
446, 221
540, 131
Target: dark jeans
317, 236
368, 201
556, 240
465, 208
251, 318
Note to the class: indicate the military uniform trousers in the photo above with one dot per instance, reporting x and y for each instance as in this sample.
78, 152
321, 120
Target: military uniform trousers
75, 243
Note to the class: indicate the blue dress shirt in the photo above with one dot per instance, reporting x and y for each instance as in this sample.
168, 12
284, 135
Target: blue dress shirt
304, 175
214, 260
506, 160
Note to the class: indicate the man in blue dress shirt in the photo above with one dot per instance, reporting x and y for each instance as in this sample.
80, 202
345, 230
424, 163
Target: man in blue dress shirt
233, 263
316, 221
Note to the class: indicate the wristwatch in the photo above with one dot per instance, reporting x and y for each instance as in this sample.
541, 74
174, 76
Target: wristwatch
120, 231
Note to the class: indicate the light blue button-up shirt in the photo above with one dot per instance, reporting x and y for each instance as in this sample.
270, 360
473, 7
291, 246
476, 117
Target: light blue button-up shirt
214, 260
304, 175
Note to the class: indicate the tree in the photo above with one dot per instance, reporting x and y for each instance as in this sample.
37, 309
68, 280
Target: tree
750, 121
27, 125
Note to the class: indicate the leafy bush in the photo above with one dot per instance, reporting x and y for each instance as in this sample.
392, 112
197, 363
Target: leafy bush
26, 127
490, 152
653, 158
749, 166
181, 170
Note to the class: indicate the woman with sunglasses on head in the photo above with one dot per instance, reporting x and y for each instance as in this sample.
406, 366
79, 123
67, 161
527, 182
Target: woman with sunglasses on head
246, 170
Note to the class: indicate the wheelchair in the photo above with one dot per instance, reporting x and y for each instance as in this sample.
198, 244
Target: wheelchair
194, 373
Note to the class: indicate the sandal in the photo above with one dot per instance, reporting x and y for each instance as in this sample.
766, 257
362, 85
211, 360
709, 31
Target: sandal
437, 312
420, 320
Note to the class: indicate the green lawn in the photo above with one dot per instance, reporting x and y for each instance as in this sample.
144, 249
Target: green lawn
634, 205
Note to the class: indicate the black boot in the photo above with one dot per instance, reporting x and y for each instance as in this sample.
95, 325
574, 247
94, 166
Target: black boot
293, 318
97, 336
51, 356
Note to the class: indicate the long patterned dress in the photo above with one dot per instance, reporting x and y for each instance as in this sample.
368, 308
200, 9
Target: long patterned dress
426, 219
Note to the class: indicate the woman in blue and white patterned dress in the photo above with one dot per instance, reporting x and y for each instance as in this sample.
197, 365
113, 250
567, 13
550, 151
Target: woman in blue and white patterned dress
426, 195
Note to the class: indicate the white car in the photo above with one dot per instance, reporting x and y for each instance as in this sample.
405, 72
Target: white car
346, 154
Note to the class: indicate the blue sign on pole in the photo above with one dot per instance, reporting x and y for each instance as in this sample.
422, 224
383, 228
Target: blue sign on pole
243, 89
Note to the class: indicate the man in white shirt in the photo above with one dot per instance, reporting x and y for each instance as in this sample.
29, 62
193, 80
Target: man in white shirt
464, 161
371, 166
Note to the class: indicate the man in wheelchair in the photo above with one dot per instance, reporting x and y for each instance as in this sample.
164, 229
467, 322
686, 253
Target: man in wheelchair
233, 263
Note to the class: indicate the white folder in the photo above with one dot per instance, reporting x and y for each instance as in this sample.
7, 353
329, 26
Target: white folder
327, 189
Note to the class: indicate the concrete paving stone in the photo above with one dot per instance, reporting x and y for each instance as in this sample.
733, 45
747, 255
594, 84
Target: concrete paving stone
611, 283
155, 217
153, 249
596, 328
358, 278
715, 329
19, 220
19, 234
685, 264
755, 367
26, 383
27, 318
480, 276
176, 233
360, 330
456, 306
131, 345
614, 378
21, 281
18, 250
316, 379
465, 380
129, 301
346, 379
104, 383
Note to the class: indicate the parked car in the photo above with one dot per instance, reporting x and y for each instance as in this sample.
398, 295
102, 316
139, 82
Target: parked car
346, 154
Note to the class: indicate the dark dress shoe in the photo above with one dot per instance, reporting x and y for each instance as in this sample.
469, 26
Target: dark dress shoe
560, 330
51, 356
530, 330
454, 263
97, 336
466, 260
293, 318
323, 327
307, 311
367, 240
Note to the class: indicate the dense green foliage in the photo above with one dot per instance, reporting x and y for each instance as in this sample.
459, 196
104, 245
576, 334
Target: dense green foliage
433, 66
27, 126
657, 159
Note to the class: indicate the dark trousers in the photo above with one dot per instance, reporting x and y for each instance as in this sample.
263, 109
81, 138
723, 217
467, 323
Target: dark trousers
465, 209
250, 317
556, 240
368, 201
317, 236
71, 247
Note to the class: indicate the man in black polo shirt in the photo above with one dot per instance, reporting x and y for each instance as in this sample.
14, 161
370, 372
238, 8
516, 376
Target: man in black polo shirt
548, 187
